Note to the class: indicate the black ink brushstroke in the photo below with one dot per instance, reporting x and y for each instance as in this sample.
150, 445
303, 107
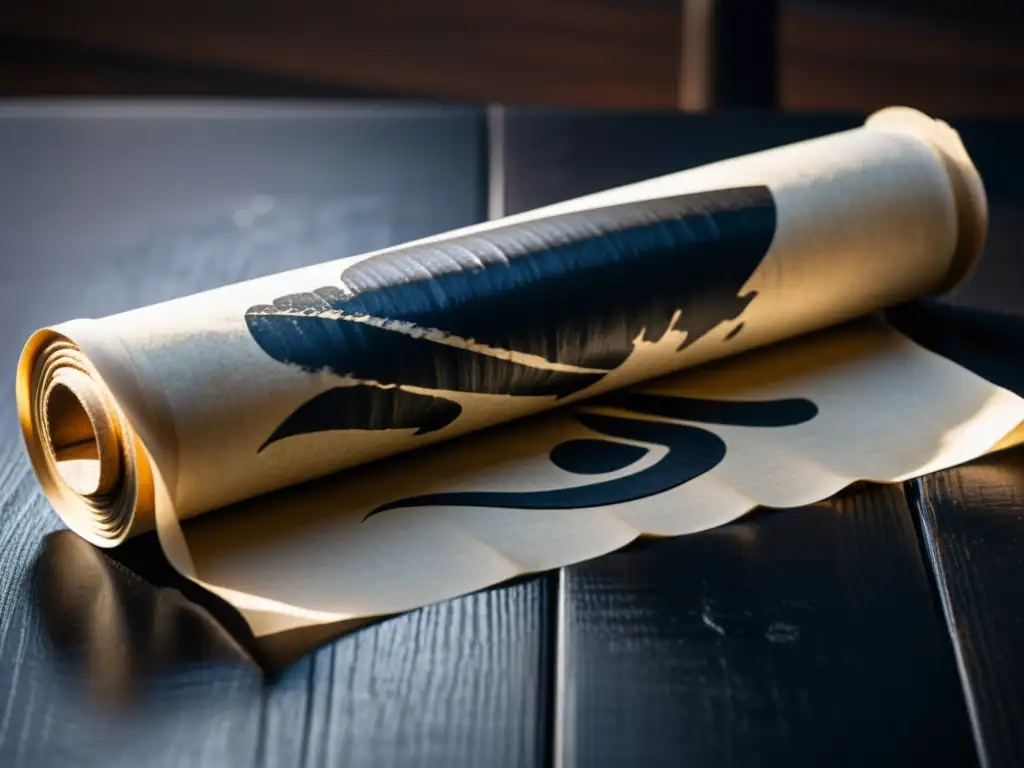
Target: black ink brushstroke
692, 450
368, 408
370, 353
744, 413
594, 457
578, 289
734, 332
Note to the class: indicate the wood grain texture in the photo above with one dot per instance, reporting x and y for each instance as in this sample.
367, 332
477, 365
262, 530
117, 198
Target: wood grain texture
107, 207
955, 59
459, 683
952, 57
798, 637
972, 518
573, 52
33, 67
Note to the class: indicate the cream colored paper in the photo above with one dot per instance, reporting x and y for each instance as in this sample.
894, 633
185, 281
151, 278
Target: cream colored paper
155, 417
887, 410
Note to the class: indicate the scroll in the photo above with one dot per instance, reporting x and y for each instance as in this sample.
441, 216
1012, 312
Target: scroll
669, 355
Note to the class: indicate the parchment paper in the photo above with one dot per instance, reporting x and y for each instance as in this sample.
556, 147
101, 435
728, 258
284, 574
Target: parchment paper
206, 416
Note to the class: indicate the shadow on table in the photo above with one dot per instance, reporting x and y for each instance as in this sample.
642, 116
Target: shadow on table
125, 617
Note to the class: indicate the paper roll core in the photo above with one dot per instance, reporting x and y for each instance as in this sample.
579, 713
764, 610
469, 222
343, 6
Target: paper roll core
81, 444
82, 439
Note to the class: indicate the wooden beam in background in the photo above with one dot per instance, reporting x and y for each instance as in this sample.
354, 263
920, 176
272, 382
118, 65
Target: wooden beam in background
652, 54
847, 59
729, 54
622, 53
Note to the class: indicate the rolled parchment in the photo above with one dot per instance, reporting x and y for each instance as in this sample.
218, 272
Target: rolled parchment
158, 415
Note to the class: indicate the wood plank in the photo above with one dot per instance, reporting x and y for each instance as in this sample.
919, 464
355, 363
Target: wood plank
106, 207
460, 683
32, 67
947, 56
972, 518
952, 59
601, 52
798, 637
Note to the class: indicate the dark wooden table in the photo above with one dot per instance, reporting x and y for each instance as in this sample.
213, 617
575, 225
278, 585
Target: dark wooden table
883, 627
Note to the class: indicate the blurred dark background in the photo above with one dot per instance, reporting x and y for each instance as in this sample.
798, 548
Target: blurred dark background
944, 56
